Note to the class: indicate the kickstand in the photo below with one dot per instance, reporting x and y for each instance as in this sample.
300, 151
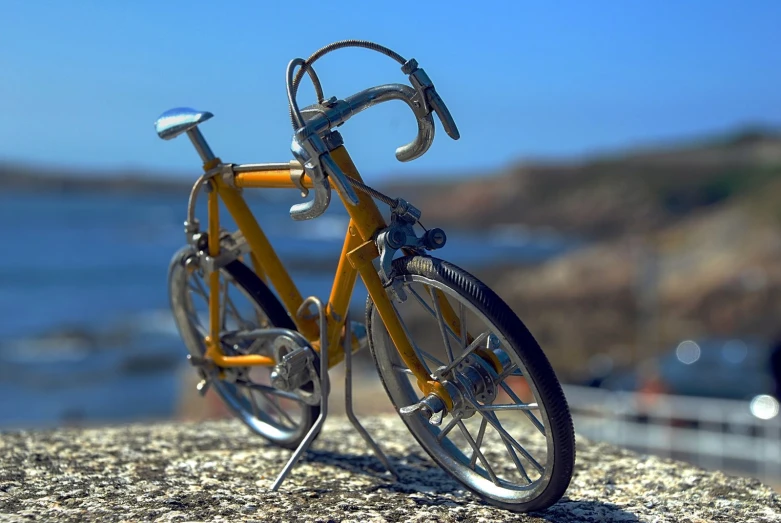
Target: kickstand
324, 390
348, 400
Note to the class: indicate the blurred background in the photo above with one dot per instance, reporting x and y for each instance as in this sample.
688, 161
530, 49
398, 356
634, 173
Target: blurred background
617, 182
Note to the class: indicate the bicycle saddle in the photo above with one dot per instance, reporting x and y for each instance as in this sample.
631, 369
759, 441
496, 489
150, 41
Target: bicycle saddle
179, 120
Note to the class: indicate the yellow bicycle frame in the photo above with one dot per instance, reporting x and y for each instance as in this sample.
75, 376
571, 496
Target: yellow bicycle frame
358, 252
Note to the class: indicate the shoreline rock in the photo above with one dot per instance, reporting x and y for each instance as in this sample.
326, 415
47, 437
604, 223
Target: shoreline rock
219, 471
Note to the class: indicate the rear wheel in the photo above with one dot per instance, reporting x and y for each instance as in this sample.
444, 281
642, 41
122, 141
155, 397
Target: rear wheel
510, 437
246, 304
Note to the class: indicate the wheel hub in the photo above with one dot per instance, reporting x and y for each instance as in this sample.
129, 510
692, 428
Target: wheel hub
473, 379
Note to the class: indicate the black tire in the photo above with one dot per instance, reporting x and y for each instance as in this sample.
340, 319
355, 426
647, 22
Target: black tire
559, 422
257, 291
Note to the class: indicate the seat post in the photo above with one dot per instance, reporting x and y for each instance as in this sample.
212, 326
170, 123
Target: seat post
199, 142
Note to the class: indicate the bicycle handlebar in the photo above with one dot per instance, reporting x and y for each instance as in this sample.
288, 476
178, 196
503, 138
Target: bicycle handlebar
317, 120
320, 119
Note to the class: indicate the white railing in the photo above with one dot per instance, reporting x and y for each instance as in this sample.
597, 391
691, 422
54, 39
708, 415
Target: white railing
711, 433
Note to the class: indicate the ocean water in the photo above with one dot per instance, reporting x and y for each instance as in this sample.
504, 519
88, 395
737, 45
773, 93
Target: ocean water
85, 331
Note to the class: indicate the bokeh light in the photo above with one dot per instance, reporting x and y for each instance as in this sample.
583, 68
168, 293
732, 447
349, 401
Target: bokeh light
764, 406
688, 352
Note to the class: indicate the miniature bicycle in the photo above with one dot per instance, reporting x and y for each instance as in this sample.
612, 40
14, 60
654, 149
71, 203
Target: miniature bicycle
458, 365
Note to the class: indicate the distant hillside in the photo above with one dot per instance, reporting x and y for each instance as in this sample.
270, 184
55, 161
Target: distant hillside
32, 178
633, 192
686, 244
602, 197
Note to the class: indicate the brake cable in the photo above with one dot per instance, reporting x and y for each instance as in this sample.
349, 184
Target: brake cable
306, 66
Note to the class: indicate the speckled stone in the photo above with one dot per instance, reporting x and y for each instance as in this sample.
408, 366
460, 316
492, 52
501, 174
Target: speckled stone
219, 471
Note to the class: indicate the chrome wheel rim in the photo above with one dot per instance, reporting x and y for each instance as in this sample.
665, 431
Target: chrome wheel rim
247, 391
504, 469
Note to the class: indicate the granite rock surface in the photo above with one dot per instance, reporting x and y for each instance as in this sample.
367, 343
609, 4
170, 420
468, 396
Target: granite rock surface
220, 471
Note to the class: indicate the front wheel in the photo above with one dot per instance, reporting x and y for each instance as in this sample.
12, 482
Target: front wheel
510, 437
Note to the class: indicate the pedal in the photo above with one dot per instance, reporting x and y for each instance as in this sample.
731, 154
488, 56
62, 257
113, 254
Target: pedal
297, 367
432, 408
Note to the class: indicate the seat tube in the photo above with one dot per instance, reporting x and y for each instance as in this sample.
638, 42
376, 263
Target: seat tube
213, 228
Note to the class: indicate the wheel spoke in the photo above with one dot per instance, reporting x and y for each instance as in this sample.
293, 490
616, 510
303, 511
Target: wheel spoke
518, 401
515, 406
467, 325
268, 390
480, 435
448, 428
277, 407
509, 371
428, 309
415, 347
250, 394
480, 455
472, 346
516, 461
244, 324
492, 419
198, 287
241, 306
196, 322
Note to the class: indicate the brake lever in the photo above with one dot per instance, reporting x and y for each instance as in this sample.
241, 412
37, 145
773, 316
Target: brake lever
310, 150
429, 97
322, 189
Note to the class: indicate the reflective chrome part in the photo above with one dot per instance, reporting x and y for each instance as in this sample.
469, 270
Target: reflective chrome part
429, 98
333, 140
259, 167
296, 366
473, 380
191, 225
291, 96
428, 407
199, 142
308, 153
232, 246
359, 330
228, 175
202, 387
400, 233
480, 422
239, 387
325, 387
443, 371
319, 119
179, 120
296, 173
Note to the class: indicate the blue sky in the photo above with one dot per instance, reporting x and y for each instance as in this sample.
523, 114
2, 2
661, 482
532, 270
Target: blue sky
81, 82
